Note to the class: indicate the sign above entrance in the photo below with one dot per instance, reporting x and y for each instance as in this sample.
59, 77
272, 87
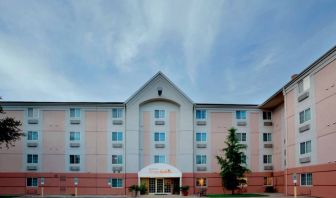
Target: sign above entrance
159, 170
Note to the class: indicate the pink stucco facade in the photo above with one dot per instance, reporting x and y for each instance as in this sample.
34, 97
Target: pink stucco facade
105, 146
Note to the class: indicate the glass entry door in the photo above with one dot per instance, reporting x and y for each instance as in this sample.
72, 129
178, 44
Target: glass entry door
159, 186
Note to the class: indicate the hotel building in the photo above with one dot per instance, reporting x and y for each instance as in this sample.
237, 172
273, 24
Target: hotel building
161, 138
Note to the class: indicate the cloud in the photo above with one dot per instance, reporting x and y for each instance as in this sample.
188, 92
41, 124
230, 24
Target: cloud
27, 75
105, 50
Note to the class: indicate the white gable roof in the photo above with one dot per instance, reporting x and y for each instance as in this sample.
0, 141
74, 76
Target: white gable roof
156, 76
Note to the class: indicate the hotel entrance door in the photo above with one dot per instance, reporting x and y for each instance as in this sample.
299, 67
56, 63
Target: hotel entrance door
160, 186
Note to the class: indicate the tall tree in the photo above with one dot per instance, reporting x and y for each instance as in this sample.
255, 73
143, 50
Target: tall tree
232, 166
9, 130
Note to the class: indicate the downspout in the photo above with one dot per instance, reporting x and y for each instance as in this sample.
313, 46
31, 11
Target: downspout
193, 143
286, 136
125, 188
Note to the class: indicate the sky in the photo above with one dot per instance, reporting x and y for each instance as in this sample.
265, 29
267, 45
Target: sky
232, 51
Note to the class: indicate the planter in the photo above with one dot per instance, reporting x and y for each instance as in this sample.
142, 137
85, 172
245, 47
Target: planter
184, 190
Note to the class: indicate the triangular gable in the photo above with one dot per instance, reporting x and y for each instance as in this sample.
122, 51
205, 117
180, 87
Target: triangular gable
158, 75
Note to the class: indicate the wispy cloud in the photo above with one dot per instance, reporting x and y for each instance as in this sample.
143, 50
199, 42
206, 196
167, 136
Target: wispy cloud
105, 50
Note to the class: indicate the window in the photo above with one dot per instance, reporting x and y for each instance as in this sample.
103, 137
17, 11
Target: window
267, 137
32, 135
241, 115
305, 147
201, 114
74, 113
159, 159
243, 159
201, 182
32, 113
117, 136
200, 159
267, 115
201, 137
267, 159
32, 158
159, 136
159, 114
74, 159
304, 84
304, 115
117, 183
117, 113
74, 136
117, 159
268, 181
306, 179
31, 182
241, 137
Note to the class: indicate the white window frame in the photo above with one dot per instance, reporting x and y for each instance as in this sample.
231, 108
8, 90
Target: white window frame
117, 113
77, 112
33, 157
305, 143
202, 113
239, 115
268, 137
240, 136
160, 133
203, 159
306, 179
119, 159
75, 162
30, 134
118, 133
159, 159
35, 112
34, 181
76, 134
304, 85
269, 159
197, 182
268, 115
201, 133
119, 181
161, 114
305, 115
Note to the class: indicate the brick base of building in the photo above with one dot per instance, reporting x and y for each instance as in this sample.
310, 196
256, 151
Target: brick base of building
324, 182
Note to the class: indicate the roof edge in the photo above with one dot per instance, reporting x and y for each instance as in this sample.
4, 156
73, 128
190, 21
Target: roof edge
36, 103
311, 66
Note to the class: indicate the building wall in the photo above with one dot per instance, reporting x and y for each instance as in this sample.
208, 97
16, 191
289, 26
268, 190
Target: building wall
137, 124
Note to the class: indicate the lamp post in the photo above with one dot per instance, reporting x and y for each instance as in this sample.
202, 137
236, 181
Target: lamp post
109, 182
42, 186
76, 184
294, 181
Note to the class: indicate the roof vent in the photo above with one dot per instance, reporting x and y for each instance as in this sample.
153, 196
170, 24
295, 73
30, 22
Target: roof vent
159, 89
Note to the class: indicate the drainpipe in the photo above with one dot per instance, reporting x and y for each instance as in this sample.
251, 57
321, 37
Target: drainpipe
286, 136
125, 161
193, 143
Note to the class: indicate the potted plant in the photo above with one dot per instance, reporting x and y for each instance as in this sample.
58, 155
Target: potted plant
142, 189
184, 190
134, 189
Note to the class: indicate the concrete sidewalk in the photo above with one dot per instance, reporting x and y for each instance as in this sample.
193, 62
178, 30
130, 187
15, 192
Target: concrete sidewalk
152, 196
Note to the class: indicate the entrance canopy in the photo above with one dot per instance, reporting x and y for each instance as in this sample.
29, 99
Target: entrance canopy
159, 170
